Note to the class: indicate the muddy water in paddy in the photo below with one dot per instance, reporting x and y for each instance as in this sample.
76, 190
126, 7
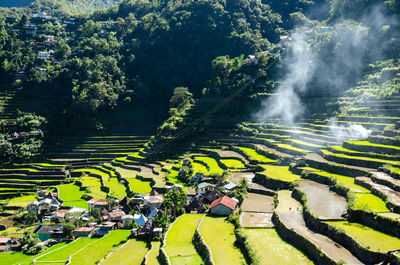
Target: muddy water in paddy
323, 202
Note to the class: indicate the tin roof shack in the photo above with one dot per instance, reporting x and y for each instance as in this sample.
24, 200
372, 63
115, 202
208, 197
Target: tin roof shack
46, 232
223, 206
205, 187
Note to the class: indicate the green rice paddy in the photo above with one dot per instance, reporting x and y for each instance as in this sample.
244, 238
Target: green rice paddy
220, 237
179, 245
368, 237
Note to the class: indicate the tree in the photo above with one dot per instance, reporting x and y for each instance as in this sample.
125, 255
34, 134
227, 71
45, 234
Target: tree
181, 97
68, 230
174, 201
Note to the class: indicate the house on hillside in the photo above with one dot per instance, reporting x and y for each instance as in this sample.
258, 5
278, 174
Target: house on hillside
83, 232
5, 244
153, 201
97, 204
46, 232
230, 186
33, 207
197, 177
223, 206
116, 216
252, 59
127, 220
140, 219
204, 187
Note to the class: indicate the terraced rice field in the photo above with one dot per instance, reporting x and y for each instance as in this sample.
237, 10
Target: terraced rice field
233, 163
93, 187
132, 252
345, 181
253, 155
22, 201
71, 195
271, 249
279, 172
78, 249
179, 245
152, 255
212, 164
368, 237
369, 202
222, 246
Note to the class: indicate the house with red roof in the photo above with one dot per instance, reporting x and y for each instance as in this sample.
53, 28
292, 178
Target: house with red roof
223, 206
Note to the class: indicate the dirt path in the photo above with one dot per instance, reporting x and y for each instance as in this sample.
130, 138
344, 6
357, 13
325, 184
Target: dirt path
323, 202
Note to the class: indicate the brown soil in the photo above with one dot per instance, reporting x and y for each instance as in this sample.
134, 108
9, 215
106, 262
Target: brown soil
258, 203
323, 202
252, 219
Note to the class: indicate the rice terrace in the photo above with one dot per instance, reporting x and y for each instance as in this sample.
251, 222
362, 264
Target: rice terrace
183, 132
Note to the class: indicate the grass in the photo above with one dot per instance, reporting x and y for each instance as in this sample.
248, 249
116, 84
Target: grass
233, 163
289, 147
179, 245
220, 237
105, 176
22, 201
21, 258
93, 187
392, 169
279, 172
271, 249
368, 237
132, 252
68, 249
344, 181
153, 253
369, 202
253, 155
212, 163
79, 249
138, 186
100, 248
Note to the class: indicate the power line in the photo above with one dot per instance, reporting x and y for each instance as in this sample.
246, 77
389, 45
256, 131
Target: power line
213, 110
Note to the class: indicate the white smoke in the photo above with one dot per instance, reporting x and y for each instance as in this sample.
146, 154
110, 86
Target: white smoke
287, 105
347, 132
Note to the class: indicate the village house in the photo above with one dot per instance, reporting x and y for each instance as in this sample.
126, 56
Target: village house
97, 204
204, 187
9, 244
127, 220
83, 231
197, 177
105, 227
230, 186
140, 219
49, 204
58, 216
46, 232
41, 193
116, 216
252, 59
223, 206
33, 207
5, 244
212, 195
153, 201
